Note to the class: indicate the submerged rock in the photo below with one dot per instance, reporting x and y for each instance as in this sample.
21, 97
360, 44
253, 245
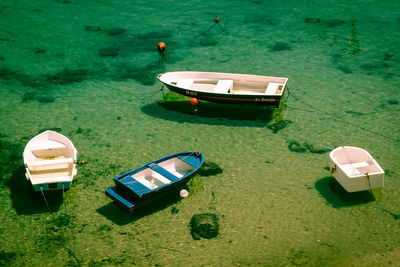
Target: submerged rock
204, 225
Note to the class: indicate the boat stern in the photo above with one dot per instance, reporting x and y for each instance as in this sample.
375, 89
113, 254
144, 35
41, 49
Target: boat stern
119, 199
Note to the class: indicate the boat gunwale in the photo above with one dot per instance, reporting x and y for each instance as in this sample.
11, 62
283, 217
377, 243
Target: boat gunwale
163, 159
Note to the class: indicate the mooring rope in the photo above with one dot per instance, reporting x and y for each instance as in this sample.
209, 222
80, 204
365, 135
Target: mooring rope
369, 182
337, 118
45, 200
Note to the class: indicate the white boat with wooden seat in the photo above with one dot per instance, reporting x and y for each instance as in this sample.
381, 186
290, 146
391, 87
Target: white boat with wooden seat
50, 161
355, 169
229, 88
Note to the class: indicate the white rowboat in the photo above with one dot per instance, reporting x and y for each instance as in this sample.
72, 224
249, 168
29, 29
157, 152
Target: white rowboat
355, 169
50, 160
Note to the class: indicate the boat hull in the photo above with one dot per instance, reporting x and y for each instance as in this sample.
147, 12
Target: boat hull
257, 100
52, 186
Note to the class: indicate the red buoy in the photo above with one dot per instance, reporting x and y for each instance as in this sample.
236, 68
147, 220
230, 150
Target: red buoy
193, 101
161, 47
217, 20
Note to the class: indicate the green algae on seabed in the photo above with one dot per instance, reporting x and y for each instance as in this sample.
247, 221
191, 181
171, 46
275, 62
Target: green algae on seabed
204, 225
279, 207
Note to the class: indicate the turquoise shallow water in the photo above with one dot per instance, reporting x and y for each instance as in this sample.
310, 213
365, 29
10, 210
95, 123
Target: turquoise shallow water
88, 71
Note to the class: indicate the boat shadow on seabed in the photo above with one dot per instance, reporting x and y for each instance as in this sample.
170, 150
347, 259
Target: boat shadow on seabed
336, 196
26, 201
120, 217
211, 113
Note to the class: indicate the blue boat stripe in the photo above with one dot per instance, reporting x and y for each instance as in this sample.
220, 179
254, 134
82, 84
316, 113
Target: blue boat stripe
164, 172
117, 197
189, 160
134, 185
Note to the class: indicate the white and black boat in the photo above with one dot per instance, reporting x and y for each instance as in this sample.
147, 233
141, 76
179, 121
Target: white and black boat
229, 88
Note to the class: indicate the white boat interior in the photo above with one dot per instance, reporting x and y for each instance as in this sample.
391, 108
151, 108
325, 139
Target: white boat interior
355, 161
225, 83
152, 179
50, 158
355, 169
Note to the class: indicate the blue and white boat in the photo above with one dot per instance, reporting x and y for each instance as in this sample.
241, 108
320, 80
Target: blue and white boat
153, 180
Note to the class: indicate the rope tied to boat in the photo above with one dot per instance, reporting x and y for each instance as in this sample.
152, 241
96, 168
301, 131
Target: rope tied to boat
369, 182
45, 200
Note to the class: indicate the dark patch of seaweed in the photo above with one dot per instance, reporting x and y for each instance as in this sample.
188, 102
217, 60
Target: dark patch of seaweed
6, 258
28, 96
39, 51
210, 168
46, 99
295, 146
68, 76
109, 52
277, 126
145, 75
92, 28
388, 56
352, 112
10, 153
8, 75
63, 1
334, 22
312, 20
204, 225
280, 46
116, 31
344, 69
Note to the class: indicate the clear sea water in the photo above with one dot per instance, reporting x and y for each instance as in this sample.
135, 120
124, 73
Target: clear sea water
87, 69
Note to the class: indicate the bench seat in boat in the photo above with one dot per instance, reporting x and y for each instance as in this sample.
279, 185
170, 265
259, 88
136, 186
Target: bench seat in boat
223, 86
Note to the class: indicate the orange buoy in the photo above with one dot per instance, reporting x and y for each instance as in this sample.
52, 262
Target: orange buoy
193, 101
217, 20
161, 47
